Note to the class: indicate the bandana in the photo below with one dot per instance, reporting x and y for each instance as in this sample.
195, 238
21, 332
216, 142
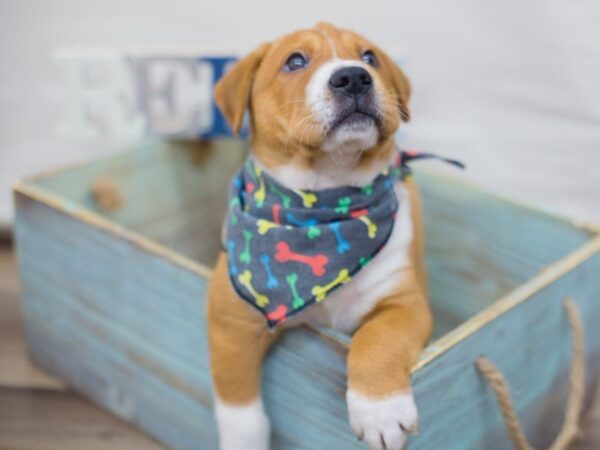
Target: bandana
289, 249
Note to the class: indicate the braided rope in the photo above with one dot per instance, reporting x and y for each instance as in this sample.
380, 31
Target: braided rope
570, 429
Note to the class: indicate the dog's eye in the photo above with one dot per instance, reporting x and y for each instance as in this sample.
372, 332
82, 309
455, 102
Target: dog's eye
369, 57
295, 61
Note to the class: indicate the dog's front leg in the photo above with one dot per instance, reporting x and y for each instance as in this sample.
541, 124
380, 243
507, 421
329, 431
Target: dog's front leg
381, 407
239, 340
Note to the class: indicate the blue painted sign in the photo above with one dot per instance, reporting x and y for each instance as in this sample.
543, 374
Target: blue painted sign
125, 95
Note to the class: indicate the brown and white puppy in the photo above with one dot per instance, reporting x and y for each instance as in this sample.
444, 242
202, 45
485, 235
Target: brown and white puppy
324, 105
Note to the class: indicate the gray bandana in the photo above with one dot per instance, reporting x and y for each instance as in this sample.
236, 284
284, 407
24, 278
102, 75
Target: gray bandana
289, 249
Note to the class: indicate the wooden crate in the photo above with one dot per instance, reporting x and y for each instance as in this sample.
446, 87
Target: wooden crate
114, 305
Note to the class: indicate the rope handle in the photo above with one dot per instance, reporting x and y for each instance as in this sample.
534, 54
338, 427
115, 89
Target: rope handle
570, 429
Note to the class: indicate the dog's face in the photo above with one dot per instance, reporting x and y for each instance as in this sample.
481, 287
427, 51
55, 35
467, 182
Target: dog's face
316, 91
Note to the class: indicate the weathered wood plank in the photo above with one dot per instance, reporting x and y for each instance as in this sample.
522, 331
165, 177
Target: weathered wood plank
480, 247
531, 345
15, 368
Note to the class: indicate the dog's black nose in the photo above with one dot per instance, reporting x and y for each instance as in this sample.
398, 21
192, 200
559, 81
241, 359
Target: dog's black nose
351, 81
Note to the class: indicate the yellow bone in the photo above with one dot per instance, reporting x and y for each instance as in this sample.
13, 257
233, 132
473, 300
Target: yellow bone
246, 279
260, 194
371, 227
320, 292
265, 225
308, 198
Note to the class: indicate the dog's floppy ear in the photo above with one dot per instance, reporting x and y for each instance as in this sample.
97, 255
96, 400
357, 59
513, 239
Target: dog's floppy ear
399, 82
232, 92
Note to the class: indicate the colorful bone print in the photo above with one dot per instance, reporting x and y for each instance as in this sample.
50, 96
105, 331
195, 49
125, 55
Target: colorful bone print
308, 198
364, 260
260, 194
320, 292
245, 279
245, 256
292, 279
371, 227
343, 205
301, 223
313, 232
286, 200
342, 244
313, 229
231, 251
237, 182
361, 214
317, 263
271, 279
276, 210
264, 226
278, 315
276, 262
235, 202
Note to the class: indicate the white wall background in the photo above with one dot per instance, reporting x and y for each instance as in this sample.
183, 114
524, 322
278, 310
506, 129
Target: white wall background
511, 87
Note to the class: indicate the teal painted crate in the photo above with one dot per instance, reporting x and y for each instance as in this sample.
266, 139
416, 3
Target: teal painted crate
114, 305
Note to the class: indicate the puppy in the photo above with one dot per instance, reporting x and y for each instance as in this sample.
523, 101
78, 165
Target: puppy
324, 105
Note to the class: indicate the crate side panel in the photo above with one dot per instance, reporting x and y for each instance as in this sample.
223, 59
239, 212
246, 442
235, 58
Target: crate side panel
127, 329
150, 398
172, 192
531, 344
82, 267
480, 247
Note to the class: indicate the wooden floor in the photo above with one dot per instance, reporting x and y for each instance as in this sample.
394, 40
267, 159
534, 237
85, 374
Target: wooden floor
39, 412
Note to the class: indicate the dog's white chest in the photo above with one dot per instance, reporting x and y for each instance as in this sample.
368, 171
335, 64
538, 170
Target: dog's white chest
345, 307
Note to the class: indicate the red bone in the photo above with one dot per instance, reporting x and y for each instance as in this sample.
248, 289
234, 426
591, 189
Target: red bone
278, 314
317, 262
359, 213
276, 208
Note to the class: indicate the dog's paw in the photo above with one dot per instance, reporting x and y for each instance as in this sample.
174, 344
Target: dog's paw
382, 423
242, 427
